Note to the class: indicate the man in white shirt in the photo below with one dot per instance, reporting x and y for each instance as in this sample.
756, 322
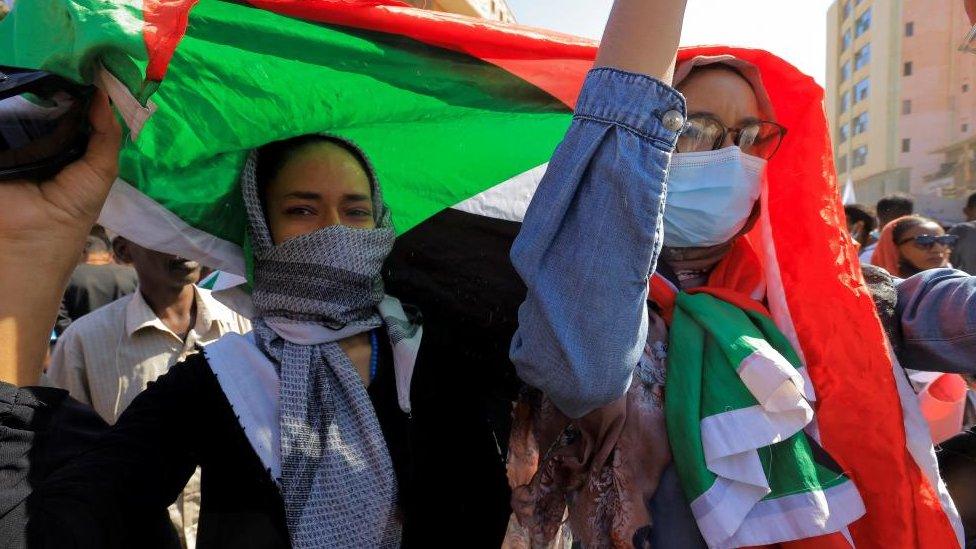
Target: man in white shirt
107, 357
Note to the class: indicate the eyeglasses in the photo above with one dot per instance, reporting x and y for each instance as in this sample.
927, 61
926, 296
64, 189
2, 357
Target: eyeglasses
927, 241
704, 132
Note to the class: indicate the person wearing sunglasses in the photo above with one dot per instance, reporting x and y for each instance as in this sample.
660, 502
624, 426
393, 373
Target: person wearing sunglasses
912, 244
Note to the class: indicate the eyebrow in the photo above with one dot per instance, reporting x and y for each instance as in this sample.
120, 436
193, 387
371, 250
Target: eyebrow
741, 122
311, 195
355, 197
307, 195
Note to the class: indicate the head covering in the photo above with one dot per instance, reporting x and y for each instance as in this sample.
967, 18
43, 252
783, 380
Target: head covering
746, 69
693, 262
310, 292
886, 254
799, 259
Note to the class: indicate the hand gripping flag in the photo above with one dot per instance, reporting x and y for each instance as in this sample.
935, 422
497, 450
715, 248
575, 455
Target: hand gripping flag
459, 117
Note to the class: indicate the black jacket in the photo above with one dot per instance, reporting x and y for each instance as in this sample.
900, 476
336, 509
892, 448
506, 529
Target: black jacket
447, 457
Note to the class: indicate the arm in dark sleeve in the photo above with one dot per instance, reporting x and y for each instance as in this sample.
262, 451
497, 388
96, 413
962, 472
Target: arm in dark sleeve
591, 238
936, 312
115, 495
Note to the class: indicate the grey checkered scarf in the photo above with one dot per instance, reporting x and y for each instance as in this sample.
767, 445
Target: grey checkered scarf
337, 483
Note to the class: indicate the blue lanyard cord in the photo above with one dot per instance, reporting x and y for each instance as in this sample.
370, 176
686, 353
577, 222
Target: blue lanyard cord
374, 358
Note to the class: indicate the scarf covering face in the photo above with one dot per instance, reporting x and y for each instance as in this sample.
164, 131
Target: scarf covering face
311, 291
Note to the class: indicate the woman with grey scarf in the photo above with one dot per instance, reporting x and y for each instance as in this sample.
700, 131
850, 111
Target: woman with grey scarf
302, 427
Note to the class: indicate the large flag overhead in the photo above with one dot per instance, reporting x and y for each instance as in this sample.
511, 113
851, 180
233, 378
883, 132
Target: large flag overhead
459, 117
447, 107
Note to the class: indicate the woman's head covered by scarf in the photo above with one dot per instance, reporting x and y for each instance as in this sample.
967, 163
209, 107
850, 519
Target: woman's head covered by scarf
728, 89
896, 253
320, 194
799, 258
319, 234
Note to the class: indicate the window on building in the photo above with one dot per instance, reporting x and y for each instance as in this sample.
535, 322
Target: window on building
845, 71
906, 106
907, 70
845, 41
861, 90
965, 88
862, 56
845, 101
859, 157
863, 23
910, 28
842, 164
847, 9
859, 124
844, 133
964, 128
906, 145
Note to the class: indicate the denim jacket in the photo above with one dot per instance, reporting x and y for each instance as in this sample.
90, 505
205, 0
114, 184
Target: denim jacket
936, 321
590, 239
592, 236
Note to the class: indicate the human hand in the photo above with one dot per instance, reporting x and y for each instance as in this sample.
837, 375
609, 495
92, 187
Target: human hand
65, 207
43, 227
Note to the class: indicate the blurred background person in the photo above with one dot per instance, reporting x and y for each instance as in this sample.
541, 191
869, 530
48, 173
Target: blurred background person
894, 206
97, 281
106, 358
912, 244
888, 209
862, 224
964, 254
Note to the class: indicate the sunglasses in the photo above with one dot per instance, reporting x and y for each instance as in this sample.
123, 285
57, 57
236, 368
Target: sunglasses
704, 132
927, 241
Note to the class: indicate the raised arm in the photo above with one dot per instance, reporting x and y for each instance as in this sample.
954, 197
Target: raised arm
592, 234
42, 227
642, 37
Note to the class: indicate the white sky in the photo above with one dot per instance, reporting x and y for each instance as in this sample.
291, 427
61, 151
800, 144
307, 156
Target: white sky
793, 29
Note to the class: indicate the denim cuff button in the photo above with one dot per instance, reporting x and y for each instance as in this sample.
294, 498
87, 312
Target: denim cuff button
673, 120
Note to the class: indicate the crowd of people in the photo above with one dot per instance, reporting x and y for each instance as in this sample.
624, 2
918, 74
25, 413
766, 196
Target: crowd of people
668, 343
905, 244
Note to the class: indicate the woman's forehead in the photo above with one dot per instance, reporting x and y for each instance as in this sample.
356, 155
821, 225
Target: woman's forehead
323, 165
723, 92
928, 227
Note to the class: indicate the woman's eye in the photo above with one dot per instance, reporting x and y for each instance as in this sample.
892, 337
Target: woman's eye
300, 211
361, 213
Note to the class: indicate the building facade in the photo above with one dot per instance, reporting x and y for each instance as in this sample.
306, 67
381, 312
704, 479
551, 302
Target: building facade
496, 10
901, 100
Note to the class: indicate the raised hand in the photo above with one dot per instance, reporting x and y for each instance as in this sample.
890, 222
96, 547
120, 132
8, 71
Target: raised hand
42, 231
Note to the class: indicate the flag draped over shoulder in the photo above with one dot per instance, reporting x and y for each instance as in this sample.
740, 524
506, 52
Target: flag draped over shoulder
736, 413
459, 117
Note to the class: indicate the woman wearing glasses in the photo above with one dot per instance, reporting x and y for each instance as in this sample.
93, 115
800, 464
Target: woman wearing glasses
619, 435
912, 244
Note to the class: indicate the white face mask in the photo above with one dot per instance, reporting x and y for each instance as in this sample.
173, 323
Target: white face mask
710, 196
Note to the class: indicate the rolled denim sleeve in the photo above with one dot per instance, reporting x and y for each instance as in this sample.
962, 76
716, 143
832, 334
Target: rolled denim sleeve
591, 238
937, 319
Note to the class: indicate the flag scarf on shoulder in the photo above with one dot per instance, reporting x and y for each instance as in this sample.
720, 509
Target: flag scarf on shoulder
736, 414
